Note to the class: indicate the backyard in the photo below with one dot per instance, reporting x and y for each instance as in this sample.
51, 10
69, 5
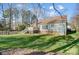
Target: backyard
39, 44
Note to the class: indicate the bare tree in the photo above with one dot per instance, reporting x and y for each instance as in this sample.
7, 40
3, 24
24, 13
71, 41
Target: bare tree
57, 10
3, 16
37, 11
76, 17
61, 17
10, 16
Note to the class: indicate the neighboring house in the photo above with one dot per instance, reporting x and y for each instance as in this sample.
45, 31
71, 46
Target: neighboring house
75, 22
53, 24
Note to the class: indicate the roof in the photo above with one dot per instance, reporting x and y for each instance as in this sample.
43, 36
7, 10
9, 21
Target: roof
52, 20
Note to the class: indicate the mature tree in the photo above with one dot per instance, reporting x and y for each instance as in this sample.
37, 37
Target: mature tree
37, 12
26, 16
60, 14
3, 17
76, 17
12, 15
75, 22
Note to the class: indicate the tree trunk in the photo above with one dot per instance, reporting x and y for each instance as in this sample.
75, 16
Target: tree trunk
10, 20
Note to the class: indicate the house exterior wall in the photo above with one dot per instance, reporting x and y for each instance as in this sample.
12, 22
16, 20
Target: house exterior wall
57, 27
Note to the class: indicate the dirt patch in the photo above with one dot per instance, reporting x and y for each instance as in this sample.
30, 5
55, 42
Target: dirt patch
18, 51
27, 52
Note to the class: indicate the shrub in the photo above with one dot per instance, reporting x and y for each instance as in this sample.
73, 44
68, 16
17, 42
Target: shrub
21, 27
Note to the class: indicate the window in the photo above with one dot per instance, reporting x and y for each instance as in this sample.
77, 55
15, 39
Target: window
52, 25
45, 26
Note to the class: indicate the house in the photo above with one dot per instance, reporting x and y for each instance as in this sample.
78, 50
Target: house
54, 24
75, 23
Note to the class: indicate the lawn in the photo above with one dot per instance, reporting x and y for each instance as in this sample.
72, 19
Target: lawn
47, 43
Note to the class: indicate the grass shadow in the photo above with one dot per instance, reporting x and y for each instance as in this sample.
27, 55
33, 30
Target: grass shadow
17, 42
52, 41
65, 46
38, 42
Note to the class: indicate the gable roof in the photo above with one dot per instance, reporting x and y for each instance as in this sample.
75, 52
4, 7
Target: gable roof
52, 20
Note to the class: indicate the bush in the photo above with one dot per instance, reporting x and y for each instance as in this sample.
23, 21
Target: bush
21, 27
69, 31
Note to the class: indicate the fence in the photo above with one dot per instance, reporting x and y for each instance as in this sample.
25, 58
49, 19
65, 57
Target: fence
8, 32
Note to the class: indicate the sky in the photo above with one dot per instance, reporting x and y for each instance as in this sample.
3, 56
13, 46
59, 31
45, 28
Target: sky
65, 8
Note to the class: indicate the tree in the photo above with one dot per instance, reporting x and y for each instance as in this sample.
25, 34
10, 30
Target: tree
26, 17
75, 22
15, 14
36, 11
21, 27
11, 14
76, 17
3, 18
61, 18
56, 10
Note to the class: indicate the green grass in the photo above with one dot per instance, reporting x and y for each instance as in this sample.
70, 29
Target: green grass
67, 44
